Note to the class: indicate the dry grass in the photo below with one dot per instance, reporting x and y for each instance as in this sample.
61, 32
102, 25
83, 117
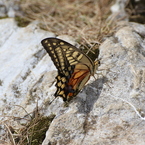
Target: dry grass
85, 20
32, 132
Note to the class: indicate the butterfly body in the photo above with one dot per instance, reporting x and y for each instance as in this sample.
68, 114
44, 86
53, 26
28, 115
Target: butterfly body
74, 67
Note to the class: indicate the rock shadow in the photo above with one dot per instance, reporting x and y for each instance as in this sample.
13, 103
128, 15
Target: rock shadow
93, 92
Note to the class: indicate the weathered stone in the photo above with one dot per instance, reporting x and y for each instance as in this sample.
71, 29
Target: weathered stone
110, 110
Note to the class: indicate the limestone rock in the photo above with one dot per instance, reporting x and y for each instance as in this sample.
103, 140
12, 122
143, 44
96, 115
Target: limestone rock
108, 111
9, 8
111, 111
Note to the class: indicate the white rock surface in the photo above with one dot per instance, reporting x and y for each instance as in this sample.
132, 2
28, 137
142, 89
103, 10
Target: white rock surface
109, 111
112, 111
23, 62
8, 8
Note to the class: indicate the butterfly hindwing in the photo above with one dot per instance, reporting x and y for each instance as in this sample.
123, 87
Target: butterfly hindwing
74, 67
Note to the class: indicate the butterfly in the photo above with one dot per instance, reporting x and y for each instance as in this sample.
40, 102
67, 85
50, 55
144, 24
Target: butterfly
74, 67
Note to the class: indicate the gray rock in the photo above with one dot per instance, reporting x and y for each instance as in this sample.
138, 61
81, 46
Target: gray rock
23, 63
8, 8
109, 110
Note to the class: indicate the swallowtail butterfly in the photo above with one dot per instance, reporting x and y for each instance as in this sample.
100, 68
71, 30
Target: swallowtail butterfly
74, 67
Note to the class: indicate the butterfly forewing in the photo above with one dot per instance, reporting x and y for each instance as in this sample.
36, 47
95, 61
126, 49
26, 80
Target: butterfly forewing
74, 67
